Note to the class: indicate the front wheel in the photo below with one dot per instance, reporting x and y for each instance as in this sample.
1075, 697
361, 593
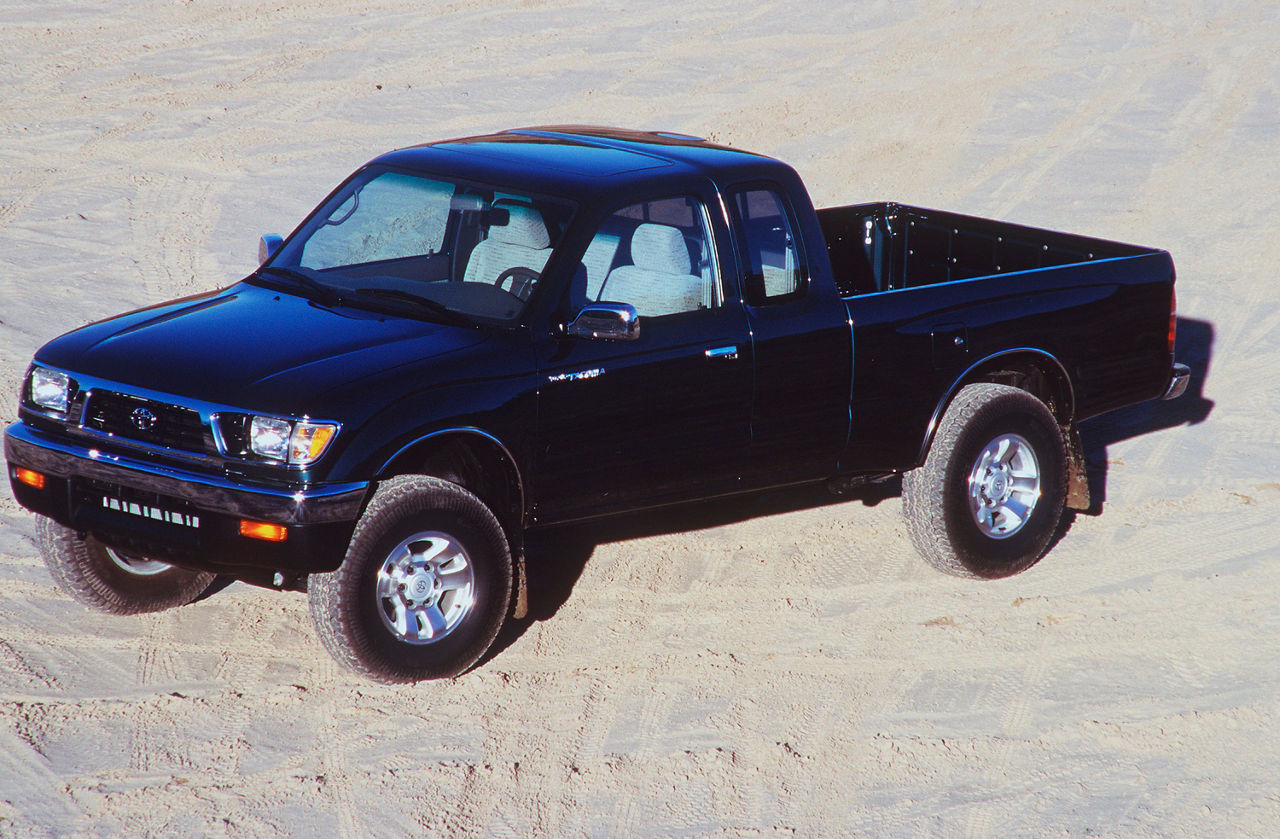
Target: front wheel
424, 588
110, 580
990, 494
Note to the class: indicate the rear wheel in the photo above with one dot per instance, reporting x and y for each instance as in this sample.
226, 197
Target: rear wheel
110, 580
990, 495
424, 589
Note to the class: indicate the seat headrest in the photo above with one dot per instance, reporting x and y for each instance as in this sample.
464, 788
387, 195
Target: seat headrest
658, 247
525, 227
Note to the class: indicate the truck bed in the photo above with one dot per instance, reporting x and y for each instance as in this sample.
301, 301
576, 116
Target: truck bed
886, 246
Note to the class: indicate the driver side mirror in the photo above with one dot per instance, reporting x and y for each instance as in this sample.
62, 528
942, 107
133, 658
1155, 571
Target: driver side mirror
606, 322
267, 246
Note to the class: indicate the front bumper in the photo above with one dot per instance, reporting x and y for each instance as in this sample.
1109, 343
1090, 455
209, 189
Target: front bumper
186, 517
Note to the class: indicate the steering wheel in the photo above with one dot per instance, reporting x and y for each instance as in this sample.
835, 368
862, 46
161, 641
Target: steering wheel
522, 280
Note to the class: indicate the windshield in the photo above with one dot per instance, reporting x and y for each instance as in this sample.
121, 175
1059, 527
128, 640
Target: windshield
447, 251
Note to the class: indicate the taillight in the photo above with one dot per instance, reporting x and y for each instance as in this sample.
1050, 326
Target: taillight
1173, 318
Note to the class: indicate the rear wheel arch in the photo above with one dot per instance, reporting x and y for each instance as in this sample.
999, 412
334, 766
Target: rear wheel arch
1035, 371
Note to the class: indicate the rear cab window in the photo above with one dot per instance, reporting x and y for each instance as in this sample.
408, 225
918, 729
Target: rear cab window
772, 264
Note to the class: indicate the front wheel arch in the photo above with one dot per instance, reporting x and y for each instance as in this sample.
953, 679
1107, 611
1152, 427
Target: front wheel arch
473, 459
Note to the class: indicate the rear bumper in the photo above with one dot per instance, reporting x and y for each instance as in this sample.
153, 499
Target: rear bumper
185, 517
1178, 381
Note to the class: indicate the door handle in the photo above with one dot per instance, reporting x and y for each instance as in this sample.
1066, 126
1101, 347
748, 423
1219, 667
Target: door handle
729, 353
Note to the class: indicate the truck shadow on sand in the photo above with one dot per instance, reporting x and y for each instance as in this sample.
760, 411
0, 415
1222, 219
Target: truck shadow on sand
1194, 348
556, 558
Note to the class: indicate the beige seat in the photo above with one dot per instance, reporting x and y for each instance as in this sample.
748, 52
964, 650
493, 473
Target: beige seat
658, 281
523, 242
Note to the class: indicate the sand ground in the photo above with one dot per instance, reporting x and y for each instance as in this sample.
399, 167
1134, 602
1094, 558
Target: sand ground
772, 667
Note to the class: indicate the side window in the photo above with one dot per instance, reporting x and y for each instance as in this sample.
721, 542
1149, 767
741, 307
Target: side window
656, 255
766, 238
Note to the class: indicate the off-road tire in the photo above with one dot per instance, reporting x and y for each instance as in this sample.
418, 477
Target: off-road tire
350, 608
937, 500
85, 569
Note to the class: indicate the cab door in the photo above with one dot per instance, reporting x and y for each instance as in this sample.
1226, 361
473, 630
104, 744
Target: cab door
662, 417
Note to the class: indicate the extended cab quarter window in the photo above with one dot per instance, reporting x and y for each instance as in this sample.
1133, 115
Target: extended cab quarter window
656, 255
767, 241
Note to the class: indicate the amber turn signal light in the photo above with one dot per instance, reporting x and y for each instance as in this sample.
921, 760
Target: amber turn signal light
30, 477
264, 531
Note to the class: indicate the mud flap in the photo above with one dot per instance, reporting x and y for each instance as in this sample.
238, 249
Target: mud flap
1078, 497
521, 608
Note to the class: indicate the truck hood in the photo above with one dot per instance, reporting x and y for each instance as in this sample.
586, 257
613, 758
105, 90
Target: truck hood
253, 348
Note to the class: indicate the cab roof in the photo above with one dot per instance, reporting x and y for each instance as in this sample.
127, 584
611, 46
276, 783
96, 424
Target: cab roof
581, 161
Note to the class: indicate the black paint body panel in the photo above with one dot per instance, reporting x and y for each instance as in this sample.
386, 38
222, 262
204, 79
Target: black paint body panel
849, 378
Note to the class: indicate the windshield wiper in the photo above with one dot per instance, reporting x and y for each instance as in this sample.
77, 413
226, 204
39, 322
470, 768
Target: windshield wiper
435, 307
328, 294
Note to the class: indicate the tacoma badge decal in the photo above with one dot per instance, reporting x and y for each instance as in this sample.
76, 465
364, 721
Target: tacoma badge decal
593, 373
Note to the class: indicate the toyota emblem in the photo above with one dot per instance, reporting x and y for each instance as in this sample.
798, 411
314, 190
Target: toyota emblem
143, 419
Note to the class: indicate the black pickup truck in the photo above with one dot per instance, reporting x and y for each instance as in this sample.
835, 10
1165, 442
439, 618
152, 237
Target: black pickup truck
472, 338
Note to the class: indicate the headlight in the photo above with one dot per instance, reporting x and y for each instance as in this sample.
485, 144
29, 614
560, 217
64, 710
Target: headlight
50, 389
300, 442
269, 437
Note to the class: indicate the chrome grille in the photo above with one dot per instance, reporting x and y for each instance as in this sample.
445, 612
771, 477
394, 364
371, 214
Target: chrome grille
145, 420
